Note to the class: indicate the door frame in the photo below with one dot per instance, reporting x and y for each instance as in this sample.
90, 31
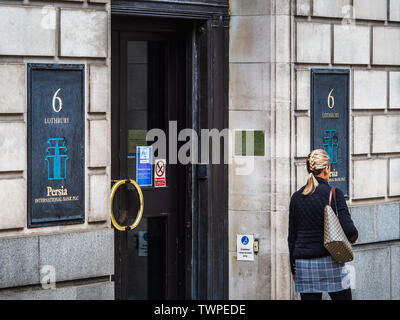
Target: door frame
205, 268
173, 280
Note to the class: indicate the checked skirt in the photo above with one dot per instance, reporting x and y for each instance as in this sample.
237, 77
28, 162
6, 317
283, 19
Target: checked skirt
321, 275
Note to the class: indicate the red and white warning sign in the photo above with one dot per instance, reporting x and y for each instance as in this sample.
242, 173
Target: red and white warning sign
159, 173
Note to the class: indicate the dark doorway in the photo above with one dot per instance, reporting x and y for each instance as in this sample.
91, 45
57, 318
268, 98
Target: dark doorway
149, 90
187, 72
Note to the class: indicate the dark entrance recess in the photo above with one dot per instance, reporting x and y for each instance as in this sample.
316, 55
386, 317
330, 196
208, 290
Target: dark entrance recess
170, 63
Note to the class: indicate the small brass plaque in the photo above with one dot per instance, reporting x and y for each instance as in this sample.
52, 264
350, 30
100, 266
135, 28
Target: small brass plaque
136, 138
256, 139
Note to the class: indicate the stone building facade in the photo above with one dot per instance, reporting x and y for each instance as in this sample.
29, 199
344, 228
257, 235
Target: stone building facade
71, 32
273, 47
78, 260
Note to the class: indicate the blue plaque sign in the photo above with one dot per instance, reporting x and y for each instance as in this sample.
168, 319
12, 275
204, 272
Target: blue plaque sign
144, 172
330, 121
56, 144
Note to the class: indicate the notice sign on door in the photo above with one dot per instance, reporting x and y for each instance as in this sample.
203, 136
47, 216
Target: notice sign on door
159, 173
244, 246
144, 172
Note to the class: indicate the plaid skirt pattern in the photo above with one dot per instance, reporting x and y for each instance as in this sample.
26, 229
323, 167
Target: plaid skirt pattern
321, 275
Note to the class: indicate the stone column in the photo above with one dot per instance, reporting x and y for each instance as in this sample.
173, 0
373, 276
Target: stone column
281, 104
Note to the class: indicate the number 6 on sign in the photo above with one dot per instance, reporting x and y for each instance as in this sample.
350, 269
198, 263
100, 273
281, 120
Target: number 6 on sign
59, 101
331, 100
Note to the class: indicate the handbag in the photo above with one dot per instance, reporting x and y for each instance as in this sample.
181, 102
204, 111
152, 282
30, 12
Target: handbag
335, 240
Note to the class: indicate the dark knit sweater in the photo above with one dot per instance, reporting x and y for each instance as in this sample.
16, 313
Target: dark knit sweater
306, 222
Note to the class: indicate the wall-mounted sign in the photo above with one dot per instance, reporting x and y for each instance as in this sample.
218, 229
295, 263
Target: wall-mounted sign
249, 143
330, 121
144, 161
56, 144
160, 168
136, 138
244, 246
143, 243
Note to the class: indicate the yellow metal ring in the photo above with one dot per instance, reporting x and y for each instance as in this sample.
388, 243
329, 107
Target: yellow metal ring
140, 212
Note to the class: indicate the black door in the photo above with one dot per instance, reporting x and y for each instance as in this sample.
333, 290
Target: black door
148, 91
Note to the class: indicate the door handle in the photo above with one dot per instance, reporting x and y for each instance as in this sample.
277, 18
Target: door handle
141, 207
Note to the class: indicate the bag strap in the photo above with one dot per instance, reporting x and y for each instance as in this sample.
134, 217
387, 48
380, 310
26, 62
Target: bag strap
333, 192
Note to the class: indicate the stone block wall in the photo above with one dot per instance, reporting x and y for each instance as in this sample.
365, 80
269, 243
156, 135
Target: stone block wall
274, 44
260, 99
59, 32
363, 36
366, 44
249, 108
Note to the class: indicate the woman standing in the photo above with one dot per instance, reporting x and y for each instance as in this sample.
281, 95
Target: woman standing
313, 268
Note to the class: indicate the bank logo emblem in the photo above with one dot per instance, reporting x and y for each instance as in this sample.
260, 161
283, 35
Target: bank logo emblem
331, 145
56, 159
